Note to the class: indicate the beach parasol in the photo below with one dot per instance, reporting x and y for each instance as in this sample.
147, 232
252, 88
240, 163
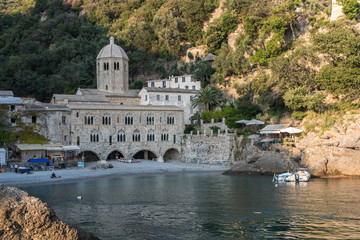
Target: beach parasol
291, 130
243, 121
255, 122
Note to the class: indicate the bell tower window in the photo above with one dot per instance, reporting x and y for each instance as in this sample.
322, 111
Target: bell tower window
106, 66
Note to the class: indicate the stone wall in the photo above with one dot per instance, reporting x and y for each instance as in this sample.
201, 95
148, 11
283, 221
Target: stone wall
206, 126
209, 149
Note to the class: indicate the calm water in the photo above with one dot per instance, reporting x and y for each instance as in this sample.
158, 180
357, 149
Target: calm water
208, 206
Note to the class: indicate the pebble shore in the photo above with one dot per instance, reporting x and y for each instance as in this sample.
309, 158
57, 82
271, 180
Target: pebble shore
93, 170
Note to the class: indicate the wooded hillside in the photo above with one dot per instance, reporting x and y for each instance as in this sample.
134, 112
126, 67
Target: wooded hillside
287, 55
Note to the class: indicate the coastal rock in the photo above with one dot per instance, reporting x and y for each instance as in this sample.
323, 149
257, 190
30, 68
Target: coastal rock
251, 159
336, 152
26, 217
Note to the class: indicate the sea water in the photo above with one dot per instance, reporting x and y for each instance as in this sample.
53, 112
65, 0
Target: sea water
207, 206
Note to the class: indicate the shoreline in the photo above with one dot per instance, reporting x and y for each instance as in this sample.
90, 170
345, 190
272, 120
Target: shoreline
92, 171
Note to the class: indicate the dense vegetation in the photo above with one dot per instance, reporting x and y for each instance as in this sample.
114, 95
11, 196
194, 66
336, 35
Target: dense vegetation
287, 57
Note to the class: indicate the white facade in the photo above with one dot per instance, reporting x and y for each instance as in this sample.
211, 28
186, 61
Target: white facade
170, 97
180, 82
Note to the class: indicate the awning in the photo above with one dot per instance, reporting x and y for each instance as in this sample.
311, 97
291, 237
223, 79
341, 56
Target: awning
270, 132
71, 148
38, 160
54, 149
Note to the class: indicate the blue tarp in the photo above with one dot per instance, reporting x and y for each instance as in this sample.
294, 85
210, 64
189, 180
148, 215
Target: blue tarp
38, 160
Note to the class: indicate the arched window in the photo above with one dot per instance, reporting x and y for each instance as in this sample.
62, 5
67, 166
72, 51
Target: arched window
94, 136
136, 136
89, 120
150, 136
129, 120
165, 136
121, 137
106, 120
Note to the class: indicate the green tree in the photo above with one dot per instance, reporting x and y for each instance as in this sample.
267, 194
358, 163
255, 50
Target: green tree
209, 96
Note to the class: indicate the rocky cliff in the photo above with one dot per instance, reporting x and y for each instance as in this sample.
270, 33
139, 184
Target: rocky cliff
333, 152
26, 217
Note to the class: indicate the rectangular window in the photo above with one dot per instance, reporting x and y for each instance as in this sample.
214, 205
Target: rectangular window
191, 98
167, 97
77, 114
145, 97
152, 84
176, 80
12, 108
110, 140
174, 138
193, 87
191, 110
12, 120
164, 84
33, 119
65, 138
183, 79
179, 97
158, 97
63, 119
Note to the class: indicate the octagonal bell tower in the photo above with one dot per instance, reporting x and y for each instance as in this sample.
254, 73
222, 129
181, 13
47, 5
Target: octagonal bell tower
112, 69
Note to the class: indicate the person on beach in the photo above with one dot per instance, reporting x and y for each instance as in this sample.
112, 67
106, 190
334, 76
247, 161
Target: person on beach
53, 175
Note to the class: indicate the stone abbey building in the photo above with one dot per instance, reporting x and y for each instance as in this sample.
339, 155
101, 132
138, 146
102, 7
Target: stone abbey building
113, 121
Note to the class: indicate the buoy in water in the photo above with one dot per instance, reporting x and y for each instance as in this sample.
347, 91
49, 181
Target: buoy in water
78, 197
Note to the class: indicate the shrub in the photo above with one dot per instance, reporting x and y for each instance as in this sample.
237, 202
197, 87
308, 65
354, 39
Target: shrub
189, 128
215, 129
299, 115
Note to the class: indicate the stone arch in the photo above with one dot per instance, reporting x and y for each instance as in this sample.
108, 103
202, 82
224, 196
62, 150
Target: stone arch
89, 156
115, 155
145, 154
171, 155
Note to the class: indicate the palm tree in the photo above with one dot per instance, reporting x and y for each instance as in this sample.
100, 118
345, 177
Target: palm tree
208, 96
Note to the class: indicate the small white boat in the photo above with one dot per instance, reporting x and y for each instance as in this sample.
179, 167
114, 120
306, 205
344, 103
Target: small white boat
301, 175
281, 177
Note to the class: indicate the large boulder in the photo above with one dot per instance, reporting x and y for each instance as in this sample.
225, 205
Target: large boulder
26, 217
250, 159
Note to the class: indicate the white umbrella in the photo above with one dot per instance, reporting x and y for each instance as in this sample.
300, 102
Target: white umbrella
255, 122
266, 140
243, 121
254, 136
291, 130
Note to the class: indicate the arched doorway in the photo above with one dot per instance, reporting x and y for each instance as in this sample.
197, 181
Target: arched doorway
171, 155
144, 154
114, 155
89, 156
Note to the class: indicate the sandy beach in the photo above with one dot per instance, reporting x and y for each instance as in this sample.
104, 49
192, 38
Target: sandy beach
93, 170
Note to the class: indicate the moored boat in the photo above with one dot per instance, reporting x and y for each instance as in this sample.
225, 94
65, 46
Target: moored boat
301, 175
281, 177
